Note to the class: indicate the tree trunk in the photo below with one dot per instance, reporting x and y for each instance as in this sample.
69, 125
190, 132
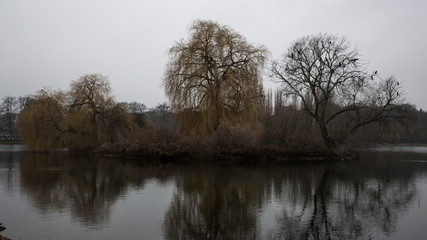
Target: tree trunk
217, 105
330, 142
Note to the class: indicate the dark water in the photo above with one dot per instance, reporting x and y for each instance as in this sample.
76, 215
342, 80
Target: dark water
57, 196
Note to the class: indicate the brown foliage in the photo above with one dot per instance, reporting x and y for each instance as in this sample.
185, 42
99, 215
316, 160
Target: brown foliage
233, 138
214, 78
226, 145
43, 124
153, 144
81, 119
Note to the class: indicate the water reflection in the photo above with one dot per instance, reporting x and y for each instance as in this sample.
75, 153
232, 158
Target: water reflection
84, 186
349, 202
9, 160
358, 200
216, 203
338, 200
55, 182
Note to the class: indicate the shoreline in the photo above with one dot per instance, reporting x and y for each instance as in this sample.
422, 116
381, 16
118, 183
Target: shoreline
256, 154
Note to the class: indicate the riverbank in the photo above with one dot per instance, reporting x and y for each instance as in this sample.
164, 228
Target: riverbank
171, 152
226, 145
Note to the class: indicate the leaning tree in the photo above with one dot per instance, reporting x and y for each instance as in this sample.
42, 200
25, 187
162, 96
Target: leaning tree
214, 78
334, 87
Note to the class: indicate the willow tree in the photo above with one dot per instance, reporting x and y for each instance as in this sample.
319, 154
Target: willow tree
334, 87
42, 124
82, 118
94, 114
214, 78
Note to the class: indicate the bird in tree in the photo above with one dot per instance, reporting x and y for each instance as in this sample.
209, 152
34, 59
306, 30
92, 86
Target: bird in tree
333, 86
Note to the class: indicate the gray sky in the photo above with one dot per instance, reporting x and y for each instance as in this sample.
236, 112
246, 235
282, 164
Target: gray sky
49, 43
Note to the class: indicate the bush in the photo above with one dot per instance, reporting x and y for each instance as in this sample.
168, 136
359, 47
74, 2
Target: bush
232, 138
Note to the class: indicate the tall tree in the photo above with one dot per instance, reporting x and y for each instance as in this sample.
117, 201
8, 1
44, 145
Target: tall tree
90, 99
214, 78
333, 86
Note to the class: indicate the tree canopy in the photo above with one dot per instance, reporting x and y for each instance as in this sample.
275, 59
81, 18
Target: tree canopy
214, 78
82, 118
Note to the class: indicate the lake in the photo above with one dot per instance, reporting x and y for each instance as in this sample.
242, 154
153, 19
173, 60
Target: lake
383, 195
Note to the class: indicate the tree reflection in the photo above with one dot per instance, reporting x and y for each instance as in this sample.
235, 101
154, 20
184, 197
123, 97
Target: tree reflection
85, 187
214, 204
349, 200
9, 161
340, 200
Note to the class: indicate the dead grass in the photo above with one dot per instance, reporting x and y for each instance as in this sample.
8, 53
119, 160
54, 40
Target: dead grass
226, 145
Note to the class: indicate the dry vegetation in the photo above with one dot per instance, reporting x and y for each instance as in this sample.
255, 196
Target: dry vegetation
214, 78
226, 145
80, 119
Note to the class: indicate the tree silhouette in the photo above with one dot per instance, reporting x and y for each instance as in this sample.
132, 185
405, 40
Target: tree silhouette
330, 80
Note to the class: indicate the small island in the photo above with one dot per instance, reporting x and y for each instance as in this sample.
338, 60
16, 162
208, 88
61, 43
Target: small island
219, 111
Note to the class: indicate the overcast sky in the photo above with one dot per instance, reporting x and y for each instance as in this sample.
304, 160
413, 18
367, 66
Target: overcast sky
49, 43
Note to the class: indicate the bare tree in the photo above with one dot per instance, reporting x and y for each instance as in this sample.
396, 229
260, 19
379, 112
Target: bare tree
334, 87
214, 77
161, 116
9, 110
137, 110
23, 102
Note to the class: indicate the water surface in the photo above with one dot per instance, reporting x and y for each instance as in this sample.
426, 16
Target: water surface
58, 196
